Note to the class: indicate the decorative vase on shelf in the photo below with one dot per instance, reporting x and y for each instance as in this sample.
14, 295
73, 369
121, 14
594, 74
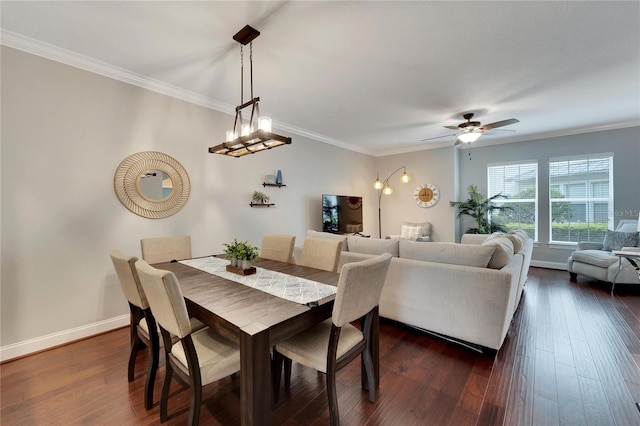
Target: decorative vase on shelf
279, 177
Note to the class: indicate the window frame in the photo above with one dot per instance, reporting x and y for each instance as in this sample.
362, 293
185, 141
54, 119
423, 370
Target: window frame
588, 199
508, 201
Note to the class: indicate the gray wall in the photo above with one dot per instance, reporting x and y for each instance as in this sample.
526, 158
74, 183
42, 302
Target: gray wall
64, 133
623, 143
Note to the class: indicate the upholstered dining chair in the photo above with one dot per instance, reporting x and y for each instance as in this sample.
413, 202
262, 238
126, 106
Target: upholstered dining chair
278, 247
334, 343
142, 321
199, 358
321, 253
165, 249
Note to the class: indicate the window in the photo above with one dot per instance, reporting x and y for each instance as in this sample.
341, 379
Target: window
519, 183
580, 197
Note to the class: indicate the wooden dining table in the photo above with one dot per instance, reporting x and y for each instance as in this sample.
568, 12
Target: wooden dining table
256, 321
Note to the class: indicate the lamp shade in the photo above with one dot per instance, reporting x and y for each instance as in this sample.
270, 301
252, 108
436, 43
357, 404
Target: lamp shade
469, 137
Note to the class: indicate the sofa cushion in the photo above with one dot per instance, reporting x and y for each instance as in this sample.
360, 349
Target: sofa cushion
503, 252
375, 246
598, 258
450, 253
342, 237
411, 232
614, 240
517, 239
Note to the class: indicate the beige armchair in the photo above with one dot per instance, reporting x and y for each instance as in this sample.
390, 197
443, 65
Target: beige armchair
142, 321
334, 343
198, 357
165, 249
321, 253
278, 247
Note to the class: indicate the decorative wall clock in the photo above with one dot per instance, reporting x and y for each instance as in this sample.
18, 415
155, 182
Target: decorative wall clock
426, 195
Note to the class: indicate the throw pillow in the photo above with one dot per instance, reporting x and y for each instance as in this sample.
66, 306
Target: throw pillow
517, 240
616, 240
503, 252
426, 232
411, 232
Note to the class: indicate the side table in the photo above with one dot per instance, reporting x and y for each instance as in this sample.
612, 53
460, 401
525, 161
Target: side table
632, 257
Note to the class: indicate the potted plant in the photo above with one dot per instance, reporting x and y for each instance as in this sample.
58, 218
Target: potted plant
480, 208
259, 197
231, 250
246, 253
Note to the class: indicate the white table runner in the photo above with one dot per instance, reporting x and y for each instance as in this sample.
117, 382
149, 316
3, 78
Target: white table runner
289, 287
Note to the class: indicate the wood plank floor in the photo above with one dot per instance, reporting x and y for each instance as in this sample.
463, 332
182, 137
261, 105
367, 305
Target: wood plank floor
571, 357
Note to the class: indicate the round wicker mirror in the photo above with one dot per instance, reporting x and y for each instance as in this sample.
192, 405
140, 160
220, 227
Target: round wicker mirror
145, 165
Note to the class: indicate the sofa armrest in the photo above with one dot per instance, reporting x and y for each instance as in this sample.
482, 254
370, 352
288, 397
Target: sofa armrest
586, 245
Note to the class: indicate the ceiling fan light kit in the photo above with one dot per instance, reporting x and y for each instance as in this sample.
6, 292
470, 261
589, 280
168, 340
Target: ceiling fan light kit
470, 131
255, 134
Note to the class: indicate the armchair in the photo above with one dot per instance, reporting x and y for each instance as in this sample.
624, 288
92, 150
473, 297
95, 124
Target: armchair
595, 260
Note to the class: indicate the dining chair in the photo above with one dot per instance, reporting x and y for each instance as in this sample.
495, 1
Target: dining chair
165, 249
334, 343
141, 320
197, 357
321, 253
278, 247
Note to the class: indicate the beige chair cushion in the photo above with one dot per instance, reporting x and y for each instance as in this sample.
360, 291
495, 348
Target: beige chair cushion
451, 253
330, 236
165, 298
165, 249
310, 347
600, 258
217, 356
503, 250
517, 240
321, 253
278, 247
375, 246
128, 277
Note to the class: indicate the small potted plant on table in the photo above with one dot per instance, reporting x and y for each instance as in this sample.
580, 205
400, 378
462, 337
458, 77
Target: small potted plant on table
240, 255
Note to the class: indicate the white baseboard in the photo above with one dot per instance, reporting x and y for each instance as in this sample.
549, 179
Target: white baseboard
56, 339
549, 265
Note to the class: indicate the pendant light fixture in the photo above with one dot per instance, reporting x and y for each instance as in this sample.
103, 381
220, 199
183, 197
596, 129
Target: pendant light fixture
253, 135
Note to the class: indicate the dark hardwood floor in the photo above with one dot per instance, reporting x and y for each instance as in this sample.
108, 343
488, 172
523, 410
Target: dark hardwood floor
571, 357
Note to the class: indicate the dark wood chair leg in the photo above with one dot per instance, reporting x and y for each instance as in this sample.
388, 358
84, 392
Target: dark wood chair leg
135, 347
368, 367
333, 398
154, 359
164, 397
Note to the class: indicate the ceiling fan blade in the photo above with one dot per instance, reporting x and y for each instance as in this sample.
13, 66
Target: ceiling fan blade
437, 137
500, 124
500, 131
451, 127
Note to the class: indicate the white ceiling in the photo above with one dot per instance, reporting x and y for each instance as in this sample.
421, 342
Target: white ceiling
375, 77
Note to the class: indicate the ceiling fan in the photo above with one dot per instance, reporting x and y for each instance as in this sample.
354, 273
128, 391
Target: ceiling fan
470, 131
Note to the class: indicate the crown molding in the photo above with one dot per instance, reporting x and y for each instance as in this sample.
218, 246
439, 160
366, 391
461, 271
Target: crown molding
67, 57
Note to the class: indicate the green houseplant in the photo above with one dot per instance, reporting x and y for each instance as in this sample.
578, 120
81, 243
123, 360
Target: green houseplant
259, 197
240, 253
480, 208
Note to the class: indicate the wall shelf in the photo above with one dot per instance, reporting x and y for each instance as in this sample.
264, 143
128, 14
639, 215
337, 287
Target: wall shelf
279, 185
261, 204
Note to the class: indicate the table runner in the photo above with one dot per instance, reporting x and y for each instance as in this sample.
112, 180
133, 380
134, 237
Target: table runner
289, 287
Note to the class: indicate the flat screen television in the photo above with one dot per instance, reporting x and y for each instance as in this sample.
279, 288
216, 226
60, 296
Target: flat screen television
341, 214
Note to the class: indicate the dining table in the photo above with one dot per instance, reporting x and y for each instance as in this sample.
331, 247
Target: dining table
256, 320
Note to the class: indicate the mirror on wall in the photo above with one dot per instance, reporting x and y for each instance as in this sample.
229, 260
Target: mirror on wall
155, 185
152, 184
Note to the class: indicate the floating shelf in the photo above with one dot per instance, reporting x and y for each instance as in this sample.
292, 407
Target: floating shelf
279, 185
261, 204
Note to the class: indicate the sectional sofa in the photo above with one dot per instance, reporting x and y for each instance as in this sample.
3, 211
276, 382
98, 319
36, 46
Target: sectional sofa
466, 292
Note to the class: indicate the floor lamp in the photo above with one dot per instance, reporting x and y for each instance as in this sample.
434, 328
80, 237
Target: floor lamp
383, 187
